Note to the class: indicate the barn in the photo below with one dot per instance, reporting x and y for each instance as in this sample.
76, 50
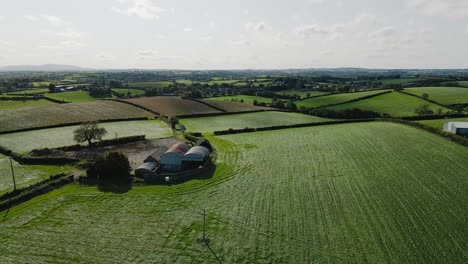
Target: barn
146, 168
195, 157
458, 128
172, 159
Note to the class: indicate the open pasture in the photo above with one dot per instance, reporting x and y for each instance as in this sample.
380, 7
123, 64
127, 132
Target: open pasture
13, 104
439, 123
67, 113
303, 94
395, 104
72, 97
332, 194
247, 99
63, 136
173, 106
442, 95
334, 99
156, 84
133, 92
251, 120
230, 106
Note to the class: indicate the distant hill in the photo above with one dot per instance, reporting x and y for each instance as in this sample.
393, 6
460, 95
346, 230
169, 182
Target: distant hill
45, 67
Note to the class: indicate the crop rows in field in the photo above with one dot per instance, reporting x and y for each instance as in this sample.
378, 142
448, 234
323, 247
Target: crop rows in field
63, 136
395, 104
173, 106
67, 113
442, 95
251, 120
334, 99
335, 194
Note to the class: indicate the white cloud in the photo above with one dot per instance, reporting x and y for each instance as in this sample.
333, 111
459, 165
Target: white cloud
212, 24
326, 52
314, 29
466, 30
161, 36
256, 27
206, 38
314, 2
56, 21
443, 8
144, 9
188, 29
70, 33
31, 18
4, 43
383, 32
238, 43
146, 53
66, 44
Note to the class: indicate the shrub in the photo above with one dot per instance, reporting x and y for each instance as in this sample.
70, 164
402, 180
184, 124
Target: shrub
110, 168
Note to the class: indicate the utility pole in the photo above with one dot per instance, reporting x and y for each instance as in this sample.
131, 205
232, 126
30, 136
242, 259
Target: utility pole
13, 174
204, 225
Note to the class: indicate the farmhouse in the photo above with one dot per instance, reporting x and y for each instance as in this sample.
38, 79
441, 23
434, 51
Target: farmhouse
458, 128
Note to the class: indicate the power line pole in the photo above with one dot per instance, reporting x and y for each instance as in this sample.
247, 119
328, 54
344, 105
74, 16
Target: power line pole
204, 225
13, 174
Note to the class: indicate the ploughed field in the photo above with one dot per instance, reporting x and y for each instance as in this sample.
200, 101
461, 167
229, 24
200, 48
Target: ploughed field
67, 113
335, 194
442, 95
395, 104
173, 106
335, 98
63, 136
251, 120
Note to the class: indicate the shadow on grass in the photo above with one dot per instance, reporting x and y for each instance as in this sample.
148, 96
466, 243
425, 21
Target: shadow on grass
115, 188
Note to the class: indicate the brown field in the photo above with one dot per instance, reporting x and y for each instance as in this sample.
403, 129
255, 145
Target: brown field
67, 113
230, 106
173, 106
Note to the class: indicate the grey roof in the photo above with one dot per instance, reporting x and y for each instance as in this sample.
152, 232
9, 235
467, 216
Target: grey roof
179, 148
157, 154
198, 150
149, 166
459, 124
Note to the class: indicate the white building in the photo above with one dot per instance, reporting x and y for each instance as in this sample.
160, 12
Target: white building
458, 128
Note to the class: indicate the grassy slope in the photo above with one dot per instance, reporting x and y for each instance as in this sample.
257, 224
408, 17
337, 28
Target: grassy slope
72, 97
63, 136
25, 174
334, 98
438, 123
248, 99
303, 94
8, 105
66, 113
173, 106
443, 95
396, 104
260, 119
335, 194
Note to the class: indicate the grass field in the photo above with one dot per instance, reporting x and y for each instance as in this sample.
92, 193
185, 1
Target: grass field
173, 106
332, 194
303, 94
10, 105
72, 97
160, 84
25, 174
396, 104
63, 136
334, 99
463, 83
230, 106
67, 113
252, 120
248, 99
442, 95
31, 91
439, 123
402, 80
133, 92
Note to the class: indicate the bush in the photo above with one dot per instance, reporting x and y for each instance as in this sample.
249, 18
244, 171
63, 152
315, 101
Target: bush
111, 168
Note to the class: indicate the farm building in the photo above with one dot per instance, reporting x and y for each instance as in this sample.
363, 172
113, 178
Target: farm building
171, 160
146, 168
458, 128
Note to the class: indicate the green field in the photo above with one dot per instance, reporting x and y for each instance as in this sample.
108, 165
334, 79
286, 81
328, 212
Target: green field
25, 174
231, 106
442, 95
248, 99
402, 80
67, 113
72, 97
251, 120
31, 91
133, 92
331, 194
303, 94
463, 83
439, 123
161, 84
63, 136
395, 104
10, 104
334, 99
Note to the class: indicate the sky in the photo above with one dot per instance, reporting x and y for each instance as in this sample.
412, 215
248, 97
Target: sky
241, 34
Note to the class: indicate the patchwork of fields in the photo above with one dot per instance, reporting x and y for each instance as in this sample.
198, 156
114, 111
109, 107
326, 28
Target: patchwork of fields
63, 136
395, 104
230, 106
173, 106
247, 99
72, 97
67, 113
133, 92
335, 98
439, 123
251, 120
13, 104
334, 194
303, 94
442, 95
161, 84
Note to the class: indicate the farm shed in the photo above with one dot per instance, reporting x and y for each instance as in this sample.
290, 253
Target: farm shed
146, 168
156, 156
458, 128
204, 143
196, 155
171, 160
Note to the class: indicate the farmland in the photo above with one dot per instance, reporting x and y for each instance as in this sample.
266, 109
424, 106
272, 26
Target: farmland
230, 106
402, 80
72, 97
335, 194
13, 104
32, 91
395, 104
133, 92
251, 120
63, 136
334, 99
248, 99
149, 84
67, 113
303, 94
173, 106
25, 174
442, 95
438, 123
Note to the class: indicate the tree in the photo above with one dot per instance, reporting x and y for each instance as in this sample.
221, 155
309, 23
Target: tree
425, 96
424, 110
51, 87
89, 132
112, 167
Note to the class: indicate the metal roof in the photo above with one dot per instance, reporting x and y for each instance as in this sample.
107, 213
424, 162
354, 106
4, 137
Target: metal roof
198, 150
459, 124
179, 148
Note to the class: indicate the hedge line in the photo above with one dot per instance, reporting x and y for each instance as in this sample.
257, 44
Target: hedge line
21, 98
356, 100
18, 196
102, 143
207, 104
135, 105
429, 100
431, 117
231, 113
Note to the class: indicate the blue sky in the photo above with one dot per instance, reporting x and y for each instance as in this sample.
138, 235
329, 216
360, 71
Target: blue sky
215, 34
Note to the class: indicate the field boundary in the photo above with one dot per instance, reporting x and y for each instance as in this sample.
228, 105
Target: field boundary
138, 106
329, 94
232, 113
428, 100
207, 104
354, 100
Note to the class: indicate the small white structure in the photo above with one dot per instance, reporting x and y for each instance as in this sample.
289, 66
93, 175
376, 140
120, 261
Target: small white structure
458, 128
